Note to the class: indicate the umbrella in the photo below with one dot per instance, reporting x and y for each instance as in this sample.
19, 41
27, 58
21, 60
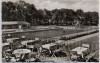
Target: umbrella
36, 38
23, 36
21, 51
28, 41
30, 46
5, 44
10, 40
24, 42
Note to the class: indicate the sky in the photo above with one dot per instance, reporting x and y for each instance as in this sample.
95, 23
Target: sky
85, 5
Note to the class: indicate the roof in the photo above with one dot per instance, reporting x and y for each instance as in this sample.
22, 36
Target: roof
14, 22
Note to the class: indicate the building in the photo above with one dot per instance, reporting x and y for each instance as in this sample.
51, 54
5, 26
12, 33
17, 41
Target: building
15, 25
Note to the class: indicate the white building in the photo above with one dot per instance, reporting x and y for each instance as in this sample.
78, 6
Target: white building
13, 25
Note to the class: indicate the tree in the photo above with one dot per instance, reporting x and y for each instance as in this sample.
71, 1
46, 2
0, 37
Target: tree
91, 18
80, 15
22, 11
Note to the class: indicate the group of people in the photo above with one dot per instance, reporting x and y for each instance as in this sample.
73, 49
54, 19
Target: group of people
76, 57
7, 51
20, 59
80, 59
9, 56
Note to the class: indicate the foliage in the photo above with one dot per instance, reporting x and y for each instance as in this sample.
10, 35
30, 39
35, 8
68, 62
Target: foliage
22, 11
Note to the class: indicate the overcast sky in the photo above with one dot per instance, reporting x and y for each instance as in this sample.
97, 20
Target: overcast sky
85, 5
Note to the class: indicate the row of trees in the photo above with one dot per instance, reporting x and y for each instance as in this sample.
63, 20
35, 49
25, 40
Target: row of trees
22, 11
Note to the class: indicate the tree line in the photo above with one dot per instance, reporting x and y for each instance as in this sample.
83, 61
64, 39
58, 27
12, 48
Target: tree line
22, 11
